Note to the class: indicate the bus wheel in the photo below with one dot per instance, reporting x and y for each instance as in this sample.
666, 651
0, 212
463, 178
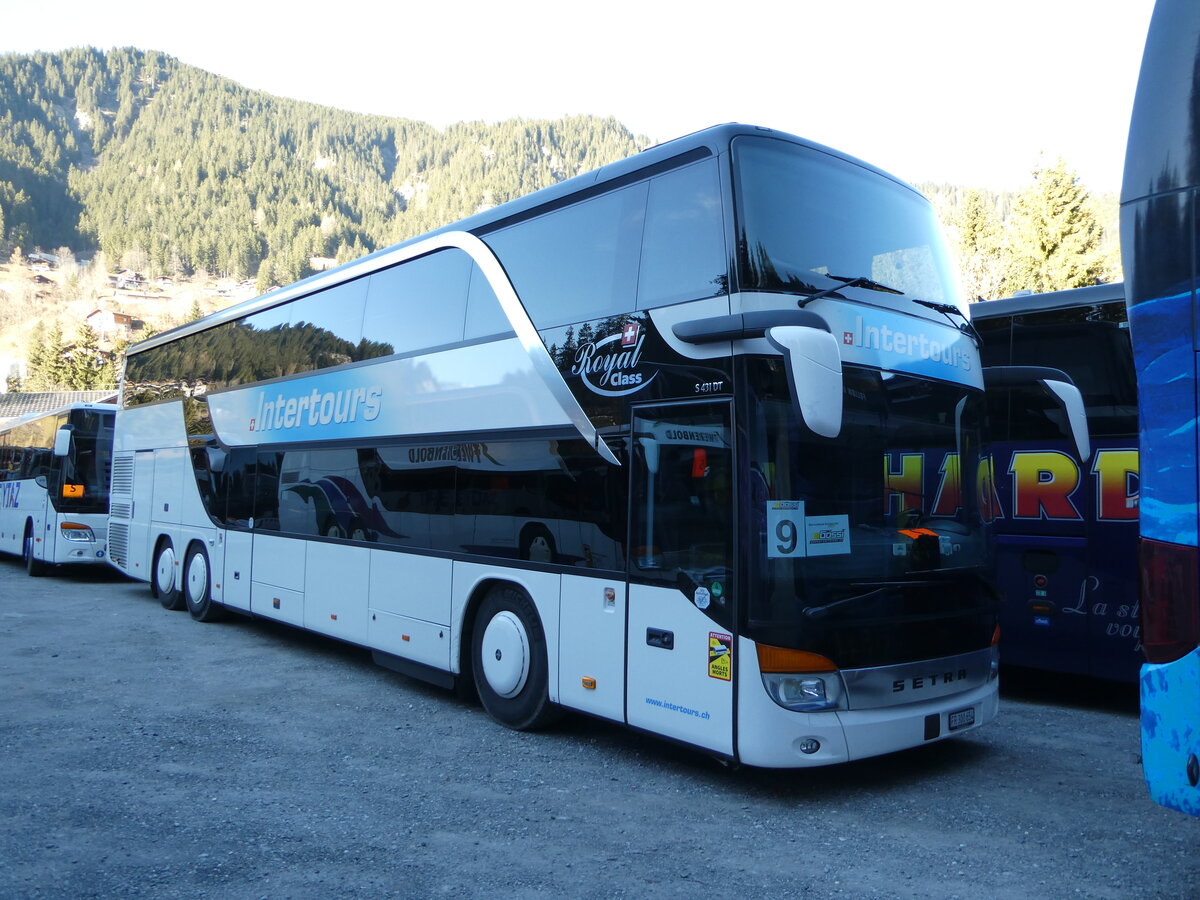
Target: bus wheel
508, 656
197, 586
33, 567
165, 585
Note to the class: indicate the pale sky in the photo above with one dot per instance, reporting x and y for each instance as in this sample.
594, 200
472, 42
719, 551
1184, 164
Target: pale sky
961, 91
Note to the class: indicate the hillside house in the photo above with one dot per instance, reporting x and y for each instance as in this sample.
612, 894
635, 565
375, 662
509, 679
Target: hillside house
112, 326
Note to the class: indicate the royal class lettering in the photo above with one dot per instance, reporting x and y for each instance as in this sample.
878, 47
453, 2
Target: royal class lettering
608, 366
905, 343
317, 408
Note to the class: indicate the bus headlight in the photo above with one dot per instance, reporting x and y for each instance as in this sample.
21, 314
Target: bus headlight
804, 692
799, 680
73, 531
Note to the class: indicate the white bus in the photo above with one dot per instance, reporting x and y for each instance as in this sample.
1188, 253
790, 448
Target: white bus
690, 442
54, 473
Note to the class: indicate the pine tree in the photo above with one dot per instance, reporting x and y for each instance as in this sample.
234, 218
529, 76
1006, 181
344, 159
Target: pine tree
56, 369
980, 245
1054, 236
35, 358
85, 363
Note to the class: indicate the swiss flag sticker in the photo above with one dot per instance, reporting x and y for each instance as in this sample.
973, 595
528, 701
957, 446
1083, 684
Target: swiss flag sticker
629, 334
847, 337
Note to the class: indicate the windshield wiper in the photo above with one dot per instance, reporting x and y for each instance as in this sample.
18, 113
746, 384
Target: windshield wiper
948, 310
932, 576
817, 612
847, 281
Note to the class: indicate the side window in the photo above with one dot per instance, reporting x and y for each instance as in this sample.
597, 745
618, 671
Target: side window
418, 304
1091, 344
541, 501
682, 499
683, 251
320, 493
266, 491
484, 315
577, 263
996, 333
410, 491
320, 331
236, 483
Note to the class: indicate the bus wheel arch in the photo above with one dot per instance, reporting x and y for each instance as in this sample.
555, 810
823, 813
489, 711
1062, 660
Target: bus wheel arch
33, 566
197, 585
164, 577
509, 663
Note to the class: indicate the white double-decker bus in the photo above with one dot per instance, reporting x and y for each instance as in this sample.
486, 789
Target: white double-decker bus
690, 442
54, 473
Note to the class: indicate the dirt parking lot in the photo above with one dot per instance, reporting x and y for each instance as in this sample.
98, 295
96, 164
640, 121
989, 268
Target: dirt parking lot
145, 755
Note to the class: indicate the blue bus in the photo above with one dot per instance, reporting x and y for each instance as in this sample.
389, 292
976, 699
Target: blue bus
1065, 528
1160, 199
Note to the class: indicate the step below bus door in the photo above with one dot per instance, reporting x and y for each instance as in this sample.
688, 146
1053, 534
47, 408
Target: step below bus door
679, 676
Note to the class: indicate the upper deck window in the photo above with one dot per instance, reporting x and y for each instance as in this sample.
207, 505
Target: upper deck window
650, 244
804, 215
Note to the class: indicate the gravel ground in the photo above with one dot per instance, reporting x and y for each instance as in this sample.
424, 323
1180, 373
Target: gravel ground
145, 755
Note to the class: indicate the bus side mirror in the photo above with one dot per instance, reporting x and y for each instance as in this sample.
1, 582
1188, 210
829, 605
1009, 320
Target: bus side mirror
814, 366
62, 442
1060, 386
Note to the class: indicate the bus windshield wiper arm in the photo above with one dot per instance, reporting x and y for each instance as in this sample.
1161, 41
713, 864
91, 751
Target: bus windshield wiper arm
861, 281
817, 612
948, 310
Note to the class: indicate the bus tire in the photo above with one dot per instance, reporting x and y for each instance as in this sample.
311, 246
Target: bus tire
33, 567
508, 659
197, 586
164, 583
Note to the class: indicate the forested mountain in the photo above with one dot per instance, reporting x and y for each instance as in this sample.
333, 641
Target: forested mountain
168, 169
136, 154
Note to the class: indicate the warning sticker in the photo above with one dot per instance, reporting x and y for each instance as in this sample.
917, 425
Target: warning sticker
720, 656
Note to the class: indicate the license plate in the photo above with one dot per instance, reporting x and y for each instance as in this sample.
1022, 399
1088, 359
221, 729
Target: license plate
961, 719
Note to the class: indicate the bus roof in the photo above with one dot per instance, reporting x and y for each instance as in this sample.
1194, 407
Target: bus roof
35, 416
698, 145
1097, 293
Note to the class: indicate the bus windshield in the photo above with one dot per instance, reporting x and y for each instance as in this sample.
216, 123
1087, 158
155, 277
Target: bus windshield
86, 469
805, 216
870, 547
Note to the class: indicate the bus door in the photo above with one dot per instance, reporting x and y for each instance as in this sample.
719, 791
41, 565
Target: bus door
238, 480
1041, 558
680, 666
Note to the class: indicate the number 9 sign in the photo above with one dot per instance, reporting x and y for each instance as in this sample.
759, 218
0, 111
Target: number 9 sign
785, 525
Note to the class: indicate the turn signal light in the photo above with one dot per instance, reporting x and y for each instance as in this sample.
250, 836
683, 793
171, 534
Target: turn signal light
781, 659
